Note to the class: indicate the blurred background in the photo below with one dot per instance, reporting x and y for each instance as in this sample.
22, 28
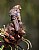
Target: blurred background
30, 18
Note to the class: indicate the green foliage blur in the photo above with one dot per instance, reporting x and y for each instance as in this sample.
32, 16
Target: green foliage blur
29, 15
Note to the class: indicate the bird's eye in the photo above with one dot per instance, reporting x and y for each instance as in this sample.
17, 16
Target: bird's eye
16, 10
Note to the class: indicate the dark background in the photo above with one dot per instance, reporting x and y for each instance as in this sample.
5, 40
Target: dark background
30, 17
